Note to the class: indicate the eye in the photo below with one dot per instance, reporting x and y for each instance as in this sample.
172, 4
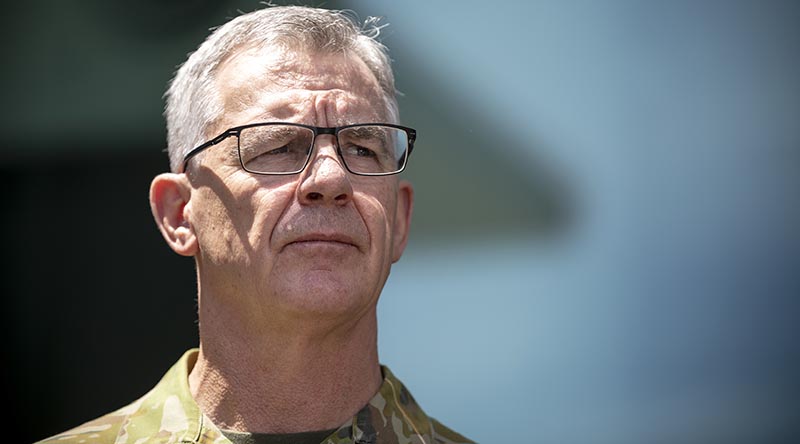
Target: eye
361, 151
282, 150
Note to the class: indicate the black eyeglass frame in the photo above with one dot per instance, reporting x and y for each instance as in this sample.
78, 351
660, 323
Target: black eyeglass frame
411, 135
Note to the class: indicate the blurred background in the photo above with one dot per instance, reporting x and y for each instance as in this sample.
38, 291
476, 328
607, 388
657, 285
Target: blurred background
606, 239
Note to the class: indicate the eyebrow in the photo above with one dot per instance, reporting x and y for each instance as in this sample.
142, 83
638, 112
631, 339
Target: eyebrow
279, 131
368, 132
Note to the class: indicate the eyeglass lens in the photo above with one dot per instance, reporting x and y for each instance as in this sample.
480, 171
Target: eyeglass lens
369, 149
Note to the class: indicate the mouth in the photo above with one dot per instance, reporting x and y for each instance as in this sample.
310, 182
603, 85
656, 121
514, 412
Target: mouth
323, 240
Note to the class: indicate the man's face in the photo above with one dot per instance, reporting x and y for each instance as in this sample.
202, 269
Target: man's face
320, 242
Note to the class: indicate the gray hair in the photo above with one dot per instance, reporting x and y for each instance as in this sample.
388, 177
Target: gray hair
193, 102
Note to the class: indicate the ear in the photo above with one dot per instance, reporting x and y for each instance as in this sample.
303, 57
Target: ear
402, 218
169, 200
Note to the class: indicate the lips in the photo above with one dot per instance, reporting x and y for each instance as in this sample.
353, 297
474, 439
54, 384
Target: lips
332, 238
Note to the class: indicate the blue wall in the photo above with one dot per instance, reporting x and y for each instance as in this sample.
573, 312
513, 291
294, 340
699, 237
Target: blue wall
668, 310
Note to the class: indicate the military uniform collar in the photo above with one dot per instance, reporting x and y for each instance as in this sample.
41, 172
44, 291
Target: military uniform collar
391, 416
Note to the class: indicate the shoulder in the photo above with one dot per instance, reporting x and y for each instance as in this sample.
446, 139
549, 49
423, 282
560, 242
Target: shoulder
444, 435
397, 406
104, 429
167, 412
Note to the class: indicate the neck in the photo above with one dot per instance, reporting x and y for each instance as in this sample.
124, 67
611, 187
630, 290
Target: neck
283, 379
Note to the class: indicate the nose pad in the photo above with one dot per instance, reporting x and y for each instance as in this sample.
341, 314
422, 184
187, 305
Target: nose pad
326, 180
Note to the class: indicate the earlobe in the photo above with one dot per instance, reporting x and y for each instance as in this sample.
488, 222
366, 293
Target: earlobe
402, 221
170, 202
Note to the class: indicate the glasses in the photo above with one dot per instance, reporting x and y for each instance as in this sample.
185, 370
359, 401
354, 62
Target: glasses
366, 149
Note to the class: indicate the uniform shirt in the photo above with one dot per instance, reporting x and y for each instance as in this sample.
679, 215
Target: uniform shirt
169, 414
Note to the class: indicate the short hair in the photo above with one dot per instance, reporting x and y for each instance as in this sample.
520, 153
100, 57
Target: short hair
193, 102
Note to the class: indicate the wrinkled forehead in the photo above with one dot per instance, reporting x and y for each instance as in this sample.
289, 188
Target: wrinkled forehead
285, 85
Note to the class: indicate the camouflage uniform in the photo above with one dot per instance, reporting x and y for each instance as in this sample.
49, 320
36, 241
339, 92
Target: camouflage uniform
169, 414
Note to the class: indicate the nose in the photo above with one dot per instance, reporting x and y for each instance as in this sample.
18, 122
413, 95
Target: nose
325, 180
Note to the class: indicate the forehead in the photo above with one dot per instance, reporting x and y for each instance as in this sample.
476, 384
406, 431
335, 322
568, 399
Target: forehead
256, 84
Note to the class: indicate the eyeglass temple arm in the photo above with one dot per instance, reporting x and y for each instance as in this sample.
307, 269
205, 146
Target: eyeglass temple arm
212, 142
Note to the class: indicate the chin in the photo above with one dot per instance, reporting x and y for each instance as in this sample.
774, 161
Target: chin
318, 294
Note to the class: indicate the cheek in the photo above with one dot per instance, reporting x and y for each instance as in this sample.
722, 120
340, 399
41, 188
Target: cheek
268, 206
217, 235
235, 223
378, 214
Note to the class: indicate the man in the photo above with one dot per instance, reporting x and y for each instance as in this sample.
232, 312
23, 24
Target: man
284, 145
